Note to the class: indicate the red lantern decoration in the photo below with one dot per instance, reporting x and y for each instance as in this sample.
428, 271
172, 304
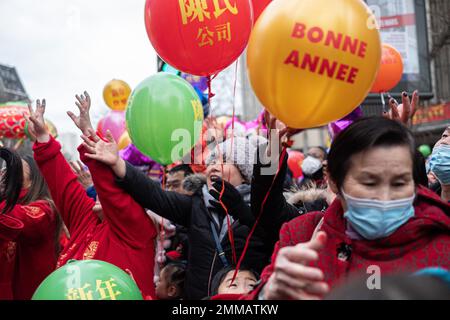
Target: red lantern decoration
199, 37
258, 7
13, 125
295, 163
390, 72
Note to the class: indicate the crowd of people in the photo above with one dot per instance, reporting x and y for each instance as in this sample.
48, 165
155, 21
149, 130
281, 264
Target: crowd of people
230, 228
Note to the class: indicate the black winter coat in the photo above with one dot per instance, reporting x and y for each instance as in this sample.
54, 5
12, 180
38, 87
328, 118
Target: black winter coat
276, 210
191, 212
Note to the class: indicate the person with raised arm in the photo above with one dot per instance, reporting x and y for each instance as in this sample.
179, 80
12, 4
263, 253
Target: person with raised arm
114, 228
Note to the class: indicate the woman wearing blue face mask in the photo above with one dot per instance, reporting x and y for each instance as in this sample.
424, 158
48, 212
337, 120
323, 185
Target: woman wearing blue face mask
439, 164
382, 222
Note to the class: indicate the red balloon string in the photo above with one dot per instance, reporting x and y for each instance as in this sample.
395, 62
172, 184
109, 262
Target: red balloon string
230, 231
283, 153
209, 81
161, 228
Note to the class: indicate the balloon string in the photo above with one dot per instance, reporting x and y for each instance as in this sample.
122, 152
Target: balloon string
209, 81
161, 229
230, 233
247, 242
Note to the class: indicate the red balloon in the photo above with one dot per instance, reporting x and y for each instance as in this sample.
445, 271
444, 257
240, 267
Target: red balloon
390, 72
295, 163
199, 37
258, 7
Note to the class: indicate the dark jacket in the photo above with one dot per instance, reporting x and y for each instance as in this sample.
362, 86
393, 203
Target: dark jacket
191, 212
276, 210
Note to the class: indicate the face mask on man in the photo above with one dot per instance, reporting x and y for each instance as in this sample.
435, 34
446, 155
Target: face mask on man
375, 219
439, 163
311, 165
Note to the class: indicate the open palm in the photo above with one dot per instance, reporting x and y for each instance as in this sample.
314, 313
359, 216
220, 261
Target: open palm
83, 121
101, 150
36, 122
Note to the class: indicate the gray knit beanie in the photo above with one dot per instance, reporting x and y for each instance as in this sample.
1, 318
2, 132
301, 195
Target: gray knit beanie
242, 154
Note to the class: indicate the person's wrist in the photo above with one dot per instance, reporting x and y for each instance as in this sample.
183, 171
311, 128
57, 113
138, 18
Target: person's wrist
85, 130
43, 138
119, 168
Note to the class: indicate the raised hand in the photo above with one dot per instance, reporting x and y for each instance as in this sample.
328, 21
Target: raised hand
36, 122
84, 177
293, 278
232, 200
284, 133
83, 121
406, 110
104, 151
101, 150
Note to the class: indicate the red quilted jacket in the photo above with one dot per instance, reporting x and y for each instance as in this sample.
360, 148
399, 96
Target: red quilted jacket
424, 241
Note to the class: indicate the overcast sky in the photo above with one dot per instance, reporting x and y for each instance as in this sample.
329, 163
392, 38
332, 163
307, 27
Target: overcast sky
62, 47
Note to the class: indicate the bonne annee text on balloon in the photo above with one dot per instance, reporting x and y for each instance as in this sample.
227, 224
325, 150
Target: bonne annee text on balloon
321, 65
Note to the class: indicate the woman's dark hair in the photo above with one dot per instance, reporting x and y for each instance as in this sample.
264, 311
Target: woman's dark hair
12, 179
176, 273
420, 170
222, 273
363, 135
38, 189
12, 184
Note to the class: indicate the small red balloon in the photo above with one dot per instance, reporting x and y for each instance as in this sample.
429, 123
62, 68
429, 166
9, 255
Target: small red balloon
295, 163
199, 37
390, 72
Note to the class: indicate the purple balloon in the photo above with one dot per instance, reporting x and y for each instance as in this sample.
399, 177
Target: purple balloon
137, 159
114, 121
336, 127
134, 156
200, 83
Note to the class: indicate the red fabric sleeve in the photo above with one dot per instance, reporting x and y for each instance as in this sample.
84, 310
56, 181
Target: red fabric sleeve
35, 218
126, 217
69, 196
10, 228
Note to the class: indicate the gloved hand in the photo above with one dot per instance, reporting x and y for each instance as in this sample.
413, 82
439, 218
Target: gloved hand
232, 200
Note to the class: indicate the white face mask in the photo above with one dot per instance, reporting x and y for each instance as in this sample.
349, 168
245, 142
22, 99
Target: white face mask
311, 165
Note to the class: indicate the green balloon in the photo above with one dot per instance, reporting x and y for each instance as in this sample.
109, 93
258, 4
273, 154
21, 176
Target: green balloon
164, 117
88, 280
425, 150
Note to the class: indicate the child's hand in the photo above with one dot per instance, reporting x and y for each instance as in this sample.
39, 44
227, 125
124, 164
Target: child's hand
36, 122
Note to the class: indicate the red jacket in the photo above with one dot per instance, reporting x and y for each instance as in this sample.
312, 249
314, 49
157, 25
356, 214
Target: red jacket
27, 248
126, 235
424, 241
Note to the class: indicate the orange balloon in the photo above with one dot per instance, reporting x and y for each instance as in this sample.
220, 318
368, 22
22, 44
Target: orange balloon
116, 93
312, 62
124, 140
391, 70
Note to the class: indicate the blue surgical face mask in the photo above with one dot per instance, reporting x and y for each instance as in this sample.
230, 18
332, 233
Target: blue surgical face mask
374, 219
439, 163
